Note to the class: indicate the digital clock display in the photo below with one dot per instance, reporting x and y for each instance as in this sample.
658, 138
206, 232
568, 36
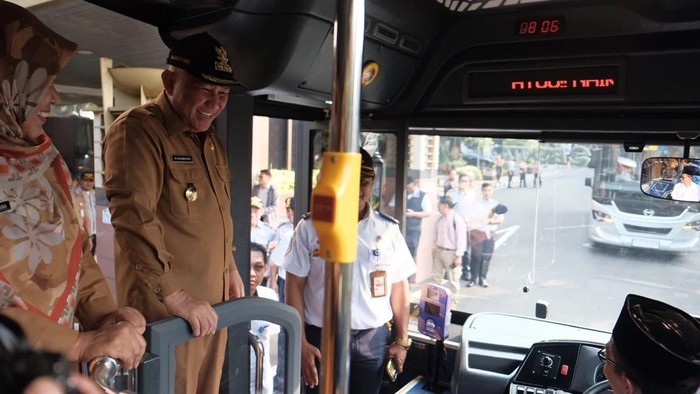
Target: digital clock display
539, 27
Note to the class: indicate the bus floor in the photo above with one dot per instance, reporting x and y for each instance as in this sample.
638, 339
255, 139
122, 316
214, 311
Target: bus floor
421, 385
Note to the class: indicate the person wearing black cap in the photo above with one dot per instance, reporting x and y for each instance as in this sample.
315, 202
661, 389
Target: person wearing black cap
654, 349
380, 293
167, 179
686, 189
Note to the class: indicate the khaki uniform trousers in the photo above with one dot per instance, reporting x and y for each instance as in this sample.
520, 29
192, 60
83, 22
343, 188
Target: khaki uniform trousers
199, 363
442, 261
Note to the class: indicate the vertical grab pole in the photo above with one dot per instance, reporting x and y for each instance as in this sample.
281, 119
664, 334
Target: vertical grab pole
344, 137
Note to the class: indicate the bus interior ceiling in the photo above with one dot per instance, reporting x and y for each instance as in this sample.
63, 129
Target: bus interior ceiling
551, 70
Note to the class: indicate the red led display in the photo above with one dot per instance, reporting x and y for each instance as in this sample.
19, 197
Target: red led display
543, 82
539, 27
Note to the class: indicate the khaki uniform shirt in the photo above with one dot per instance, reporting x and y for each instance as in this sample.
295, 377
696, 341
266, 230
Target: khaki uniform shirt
166, 241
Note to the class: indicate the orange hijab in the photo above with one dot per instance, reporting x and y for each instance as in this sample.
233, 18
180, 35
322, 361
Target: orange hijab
40, 242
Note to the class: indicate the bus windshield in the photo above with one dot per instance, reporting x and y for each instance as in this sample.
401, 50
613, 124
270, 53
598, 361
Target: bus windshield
579, 233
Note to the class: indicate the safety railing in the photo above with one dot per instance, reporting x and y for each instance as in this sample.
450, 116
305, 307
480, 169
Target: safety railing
156, 374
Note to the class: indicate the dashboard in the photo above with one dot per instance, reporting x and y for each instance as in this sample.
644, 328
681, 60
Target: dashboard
559, 367
501, 353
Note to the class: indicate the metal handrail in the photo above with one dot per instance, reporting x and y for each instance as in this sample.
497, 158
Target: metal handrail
103, 371
162, 336
259, 351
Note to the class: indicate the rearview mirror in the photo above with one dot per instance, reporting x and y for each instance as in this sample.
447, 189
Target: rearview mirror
671, 178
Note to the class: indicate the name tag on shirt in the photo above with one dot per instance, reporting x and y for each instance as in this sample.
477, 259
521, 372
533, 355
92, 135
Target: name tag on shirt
377, 280
182, 159
4, 206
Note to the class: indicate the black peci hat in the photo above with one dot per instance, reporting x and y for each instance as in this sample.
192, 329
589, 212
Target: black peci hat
205, 58
87, 176
690, 170
367, 169
657, 340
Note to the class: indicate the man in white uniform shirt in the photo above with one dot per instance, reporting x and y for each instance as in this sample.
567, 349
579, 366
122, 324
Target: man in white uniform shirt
382, 254
483, 220
260, 232
686, 189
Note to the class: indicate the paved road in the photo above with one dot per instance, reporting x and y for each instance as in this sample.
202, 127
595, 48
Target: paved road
547, 249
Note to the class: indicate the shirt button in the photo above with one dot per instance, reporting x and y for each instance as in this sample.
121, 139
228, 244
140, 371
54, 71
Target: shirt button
156, 290
138, 267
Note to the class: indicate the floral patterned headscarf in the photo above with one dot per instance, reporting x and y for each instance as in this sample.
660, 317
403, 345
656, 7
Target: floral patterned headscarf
40, 239
30, 57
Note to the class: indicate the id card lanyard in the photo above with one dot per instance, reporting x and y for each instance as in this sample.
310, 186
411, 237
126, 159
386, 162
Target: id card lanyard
377, 277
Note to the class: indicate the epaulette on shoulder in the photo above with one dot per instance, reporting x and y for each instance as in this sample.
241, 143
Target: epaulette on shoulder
306, 216
387, 217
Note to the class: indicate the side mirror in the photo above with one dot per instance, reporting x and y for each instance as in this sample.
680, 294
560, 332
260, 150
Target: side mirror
671, 178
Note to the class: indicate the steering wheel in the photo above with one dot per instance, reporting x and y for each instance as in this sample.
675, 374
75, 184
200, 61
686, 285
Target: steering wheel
599, 388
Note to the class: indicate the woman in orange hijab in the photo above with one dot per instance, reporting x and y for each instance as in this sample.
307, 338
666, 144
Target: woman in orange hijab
48, 277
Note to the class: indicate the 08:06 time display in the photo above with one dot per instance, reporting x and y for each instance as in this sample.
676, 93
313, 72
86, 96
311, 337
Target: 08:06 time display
533, 27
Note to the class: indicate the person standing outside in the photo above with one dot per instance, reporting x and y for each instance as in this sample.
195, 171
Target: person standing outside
483, 221
260, 232
450, 244
500, 161
48, 278
86, 191
417, 208
167, 181
462, 199
522, 172
382, 255
451, 181
268, 195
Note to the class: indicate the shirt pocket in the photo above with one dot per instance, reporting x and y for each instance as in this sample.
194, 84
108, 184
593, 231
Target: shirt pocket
180, 180
225, 176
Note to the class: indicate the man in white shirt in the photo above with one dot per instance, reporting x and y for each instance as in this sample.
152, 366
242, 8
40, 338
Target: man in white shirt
379, 294
686, 189
260, 232
483, 220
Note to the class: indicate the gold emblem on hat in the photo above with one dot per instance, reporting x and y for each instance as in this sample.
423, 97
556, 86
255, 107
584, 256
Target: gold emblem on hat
222, 63
191, 193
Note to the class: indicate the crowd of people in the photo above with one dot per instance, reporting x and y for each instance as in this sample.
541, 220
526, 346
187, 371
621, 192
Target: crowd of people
167, 182
463, 239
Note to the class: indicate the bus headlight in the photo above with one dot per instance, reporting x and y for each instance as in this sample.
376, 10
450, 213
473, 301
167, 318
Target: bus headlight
694, 225
599, 216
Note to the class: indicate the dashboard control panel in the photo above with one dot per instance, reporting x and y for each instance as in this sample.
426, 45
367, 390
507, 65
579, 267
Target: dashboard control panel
558, 367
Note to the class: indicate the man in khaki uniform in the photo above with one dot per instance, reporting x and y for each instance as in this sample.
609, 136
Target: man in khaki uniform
167, 180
